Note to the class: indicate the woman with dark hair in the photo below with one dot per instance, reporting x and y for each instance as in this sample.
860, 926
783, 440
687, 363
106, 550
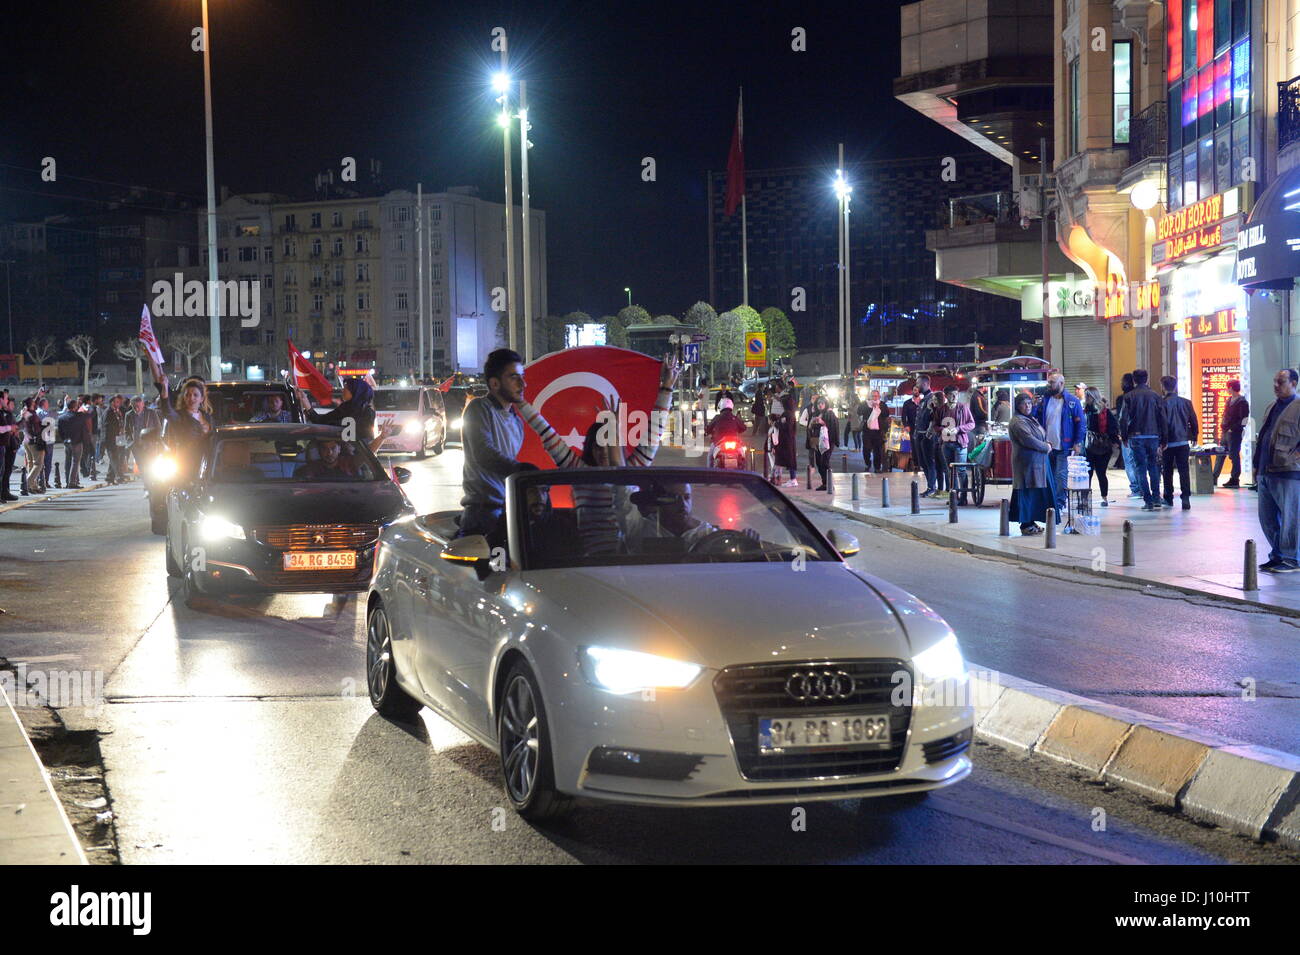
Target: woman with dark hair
1032, 488
1103, 434
357, 408
823, 436
1126, 453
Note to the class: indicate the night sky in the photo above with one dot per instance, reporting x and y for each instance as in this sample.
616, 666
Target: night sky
112, 90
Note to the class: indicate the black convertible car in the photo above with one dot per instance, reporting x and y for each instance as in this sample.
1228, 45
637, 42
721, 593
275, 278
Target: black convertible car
288, 508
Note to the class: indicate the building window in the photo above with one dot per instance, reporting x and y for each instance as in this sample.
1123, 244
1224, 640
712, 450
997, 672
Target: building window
437, 300
363, 330
290, 302
268, 336
400, 272
317, 332
1072, 126
290, 277
435, 214
266, 280
338, 302
399, 242
401, 213
363, 301
338, 275
363, 244
317, 302
437, 271
336, 220
435, 241
266, 253
338, 245
290, 250
402, 302
315, 220
1122, 69
315, 247
290, 223
363, 271
340, 331
402, 332
439, 330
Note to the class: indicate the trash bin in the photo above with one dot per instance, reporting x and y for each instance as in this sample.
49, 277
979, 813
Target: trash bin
1202, 472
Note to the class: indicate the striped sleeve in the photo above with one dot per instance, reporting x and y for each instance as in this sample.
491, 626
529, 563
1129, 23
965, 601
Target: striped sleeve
598, 526
643, 455
561, 453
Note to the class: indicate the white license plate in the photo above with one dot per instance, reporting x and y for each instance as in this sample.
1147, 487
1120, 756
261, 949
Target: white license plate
321, 560
823, 731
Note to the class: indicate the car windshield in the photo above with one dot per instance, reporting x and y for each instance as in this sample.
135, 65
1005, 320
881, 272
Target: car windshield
396, 400
638, 518
252, 404
239, 460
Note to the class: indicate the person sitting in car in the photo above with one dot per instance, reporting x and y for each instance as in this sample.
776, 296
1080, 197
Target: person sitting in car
273, 410
332, 463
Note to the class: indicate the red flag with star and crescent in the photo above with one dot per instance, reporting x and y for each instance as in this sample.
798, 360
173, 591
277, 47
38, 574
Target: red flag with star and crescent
305, 375
736, 161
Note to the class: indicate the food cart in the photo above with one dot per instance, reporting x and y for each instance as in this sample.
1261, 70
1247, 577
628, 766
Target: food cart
1010, 375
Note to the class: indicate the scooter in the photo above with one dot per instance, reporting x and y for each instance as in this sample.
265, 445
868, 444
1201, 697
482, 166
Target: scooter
728, 453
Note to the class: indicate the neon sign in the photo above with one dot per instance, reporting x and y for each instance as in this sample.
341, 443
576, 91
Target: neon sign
1222, 322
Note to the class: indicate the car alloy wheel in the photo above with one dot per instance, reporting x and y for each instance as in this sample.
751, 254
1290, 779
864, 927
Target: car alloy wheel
386, 696
524, 740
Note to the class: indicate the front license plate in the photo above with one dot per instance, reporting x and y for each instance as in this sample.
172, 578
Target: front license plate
321, 560
855, 730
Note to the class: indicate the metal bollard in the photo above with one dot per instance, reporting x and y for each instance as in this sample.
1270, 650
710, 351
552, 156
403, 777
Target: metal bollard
916, 498
808, 477
750, 452
58, 480
952, 507
1049, 538
1130, 559
830, 482
855, 491
1250, 572
884, 492
1004, 518
844, 461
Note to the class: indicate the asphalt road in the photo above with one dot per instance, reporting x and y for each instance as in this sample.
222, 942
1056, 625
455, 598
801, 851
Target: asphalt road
242, 733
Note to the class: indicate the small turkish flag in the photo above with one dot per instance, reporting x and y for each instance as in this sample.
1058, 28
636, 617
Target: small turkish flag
305, 375
568, 388
446, 385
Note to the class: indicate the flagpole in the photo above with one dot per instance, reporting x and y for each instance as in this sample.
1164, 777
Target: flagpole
744, 226
419, 246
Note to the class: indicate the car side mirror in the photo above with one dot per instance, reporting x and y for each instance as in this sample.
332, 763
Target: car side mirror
403, 474
846, 545
469, 550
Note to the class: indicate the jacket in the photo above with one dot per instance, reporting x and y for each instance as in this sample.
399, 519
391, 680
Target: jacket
1284, 442
1235, 414
1029, 452
963, 419
10, 439
1074, 423
724, 424
1102, 440
1143, 413
1180, 421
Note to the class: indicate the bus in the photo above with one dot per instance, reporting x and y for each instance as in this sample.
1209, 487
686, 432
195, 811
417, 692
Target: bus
892, 361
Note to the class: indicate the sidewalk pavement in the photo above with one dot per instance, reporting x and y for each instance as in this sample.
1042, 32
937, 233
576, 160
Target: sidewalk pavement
87, 485
34, 829
1200, 551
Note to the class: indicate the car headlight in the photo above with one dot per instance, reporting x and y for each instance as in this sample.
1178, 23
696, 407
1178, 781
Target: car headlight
162, 468
627, 671
217, 528
412, 427
456, 424
940, 671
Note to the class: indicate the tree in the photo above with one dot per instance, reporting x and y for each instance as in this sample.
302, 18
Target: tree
132, 349
667, 320
726, 343
615, 332
40, 350
780, 334
633, 315
749, 319
83, 346
189, 347
700, 314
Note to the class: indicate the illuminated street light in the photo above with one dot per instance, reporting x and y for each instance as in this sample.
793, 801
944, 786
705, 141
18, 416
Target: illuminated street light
842, 192
501, 84
501, 81
629, 297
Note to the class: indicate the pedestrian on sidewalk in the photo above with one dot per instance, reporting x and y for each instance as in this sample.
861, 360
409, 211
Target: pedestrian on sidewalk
853, 425
10, 442
823, 437
115, 440
34, 449
1002, 410
955, 424
785, 436
922, 442
1032, 491
910, 407
1066, 428
1142, 425
1235, 414
759, 412
1277, 475
71, 431
49, 434
144, 431
1103, 435
1126, 450
1181, 432
874, 417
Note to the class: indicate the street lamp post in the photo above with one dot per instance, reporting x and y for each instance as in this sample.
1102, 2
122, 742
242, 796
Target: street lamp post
629, 297
524, 146
843, 191
9, 302
214, 319
502, 84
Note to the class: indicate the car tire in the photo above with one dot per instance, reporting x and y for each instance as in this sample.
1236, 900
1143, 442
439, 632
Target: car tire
386, 696
420, 452
440, 446
190, 592
524, 742
173, 568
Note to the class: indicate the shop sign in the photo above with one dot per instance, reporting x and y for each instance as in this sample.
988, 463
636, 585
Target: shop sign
1268, 251
1128, 300
1067, 299
1222, 322
1198, 227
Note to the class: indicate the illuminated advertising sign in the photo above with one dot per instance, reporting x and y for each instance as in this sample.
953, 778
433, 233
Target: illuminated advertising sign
1268, 251
1222, 322
1197, 227
1214, 364
1127, 300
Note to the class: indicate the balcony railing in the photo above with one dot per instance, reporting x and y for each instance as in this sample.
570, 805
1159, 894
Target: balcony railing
361, 224
1288, 112
995, 207
1149, 133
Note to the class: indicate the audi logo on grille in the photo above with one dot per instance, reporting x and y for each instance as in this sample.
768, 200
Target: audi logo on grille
820, 685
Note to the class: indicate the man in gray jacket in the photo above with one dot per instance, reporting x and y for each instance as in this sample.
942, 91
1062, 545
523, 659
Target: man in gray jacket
1181, 431
1277, 470
492, 434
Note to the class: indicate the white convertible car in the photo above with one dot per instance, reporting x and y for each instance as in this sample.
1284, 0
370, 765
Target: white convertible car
666, 636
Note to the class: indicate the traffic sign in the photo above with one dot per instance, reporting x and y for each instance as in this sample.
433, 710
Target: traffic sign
691, 353
699, 338
755, 349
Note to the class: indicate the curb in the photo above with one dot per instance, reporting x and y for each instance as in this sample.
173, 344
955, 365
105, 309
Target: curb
36, 829
1250, 790
1060, 563
61, 492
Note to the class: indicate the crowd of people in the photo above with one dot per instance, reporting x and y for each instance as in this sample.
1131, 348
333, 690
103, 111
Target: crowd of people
96, 433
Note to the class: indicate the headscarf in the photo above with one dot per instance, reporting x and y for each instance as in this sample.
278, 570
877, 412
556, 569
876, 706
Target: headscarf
362, 393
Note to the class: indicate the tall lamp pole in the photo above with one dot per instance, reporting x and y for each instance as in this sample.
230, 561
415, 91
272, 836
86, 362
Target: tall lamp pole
502, 84
629, 297
9, 302
524, 146
214, 319
843, 191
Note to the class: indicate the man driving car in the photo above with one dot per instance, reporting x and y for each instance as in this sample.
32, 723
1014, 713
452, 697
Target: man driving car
332, 465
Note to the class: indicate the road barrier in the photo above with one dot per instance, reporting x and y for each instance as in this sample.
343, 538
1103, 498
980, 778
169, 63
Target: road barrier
916, 498
884, 492
1250, 572
1049, 538
1130, 559
1004, 518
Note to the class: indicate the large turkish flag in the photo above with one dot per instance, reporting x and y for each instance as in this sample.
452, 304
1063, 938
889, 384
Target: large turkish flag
567, 388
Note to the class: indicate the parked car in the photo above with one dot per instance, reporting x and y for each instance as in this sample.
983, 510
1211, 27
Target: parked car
415, 418
599, 658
